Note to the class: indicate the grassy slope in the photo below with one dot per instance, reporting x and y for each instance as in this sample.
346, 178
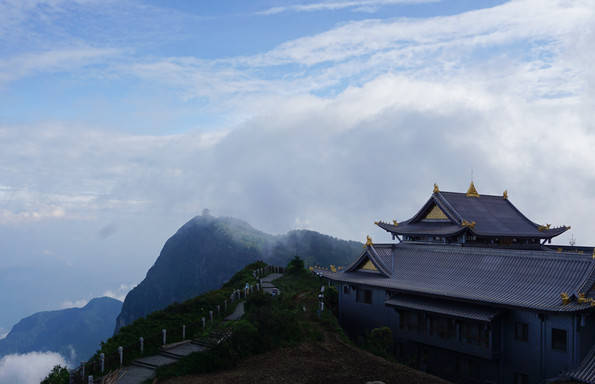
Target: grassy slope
301, 348
171, 318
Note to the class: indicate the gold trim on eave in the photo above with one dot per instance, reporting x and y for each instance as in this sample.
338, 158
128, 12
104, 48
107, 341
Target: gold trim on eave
472, 192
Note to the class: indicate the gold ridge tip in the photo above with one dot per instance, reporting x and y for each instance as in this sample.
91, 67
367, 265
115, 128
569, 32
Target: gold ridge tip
368, 241
436, 189
470, 224
505, 194
395, 223
472, 192
565, 298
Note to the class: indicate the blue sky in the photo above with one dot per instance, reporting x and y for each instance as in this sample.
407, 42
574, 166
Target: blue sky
120, 120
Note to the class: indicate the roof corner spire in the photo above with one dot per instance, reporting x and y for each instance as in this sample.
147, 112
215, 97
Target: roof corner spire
436, 189
472, 192
505, 194
368, 241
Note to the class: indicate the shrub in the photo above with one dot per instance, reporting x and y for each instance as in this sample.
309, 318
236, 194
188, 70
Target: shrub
58, 375
295, 266
380, 341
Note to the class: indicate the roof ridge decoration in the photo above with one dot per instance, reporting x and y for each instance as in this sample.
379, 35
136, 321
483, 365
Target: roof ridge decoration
505, 194
469, 224
368, 241
436, 189
542, 228
472, 192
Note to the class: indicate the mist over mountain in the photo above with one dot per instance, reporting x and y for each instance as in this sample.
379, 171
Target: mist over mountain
74, 333
206, 251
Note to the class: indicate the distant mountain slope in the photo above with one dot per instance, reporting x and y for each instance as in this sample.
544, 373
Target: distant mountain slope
206, 251
75, 333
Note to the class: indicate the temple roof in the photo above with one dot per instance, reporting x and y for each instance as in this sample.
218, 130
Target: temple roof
585, 372
452, 213
511, 277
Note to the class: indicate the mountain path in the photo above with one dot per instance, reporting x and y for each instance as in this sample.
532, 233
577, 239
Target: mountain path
143, 369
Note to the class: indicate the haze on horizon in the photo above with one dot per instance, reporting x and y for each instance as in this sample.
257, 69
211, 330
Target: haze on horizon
121, 120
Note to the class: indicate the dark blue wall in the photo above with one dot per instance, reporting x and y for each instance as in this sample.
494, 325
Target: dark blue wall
535, 357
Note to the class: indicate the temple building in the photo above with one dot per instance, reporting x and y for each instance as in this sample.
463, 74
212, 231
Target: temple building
475, 292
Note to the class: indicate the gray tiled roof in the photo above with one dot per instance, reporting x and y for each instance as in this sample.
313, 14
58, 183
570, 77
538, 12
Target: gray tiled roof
585, 372
508, 277
460, 310
493, 216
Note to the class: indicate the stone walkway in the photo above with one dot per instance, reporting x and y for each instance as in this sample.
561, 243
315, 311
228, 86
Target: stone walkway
143, 369
267, 285
237, 313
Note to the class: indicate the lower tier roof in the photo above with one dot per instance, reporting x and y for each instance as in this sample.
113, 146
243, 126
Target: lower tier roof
503, 277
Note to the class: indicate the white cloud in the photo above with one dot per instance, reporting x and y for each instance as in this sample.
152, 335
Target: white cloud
28, 368
119, 293
60, 60
74, 304
358, 6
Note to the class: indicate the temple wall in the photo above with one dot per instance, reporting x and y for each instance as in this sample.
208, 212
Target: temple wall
534, 357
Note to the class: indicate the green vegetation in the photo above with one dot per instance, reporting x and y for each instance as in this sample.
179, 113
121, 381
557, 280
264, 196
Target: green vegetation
380, 342
270, 322
172, 318
58, 375
295, 266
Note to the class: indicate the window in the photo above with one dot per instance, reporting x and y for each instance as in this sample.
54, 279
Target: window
346, 289
521, 378
442, 327
559, 339
364, 296
521, 331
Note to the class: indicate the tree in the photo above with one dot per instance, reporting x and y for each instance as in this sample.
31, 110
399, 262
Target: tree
295, 266
58, 375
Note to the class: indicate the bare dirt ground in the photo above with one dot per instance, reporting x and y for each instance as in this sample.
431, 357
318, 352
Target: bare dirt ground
329, 362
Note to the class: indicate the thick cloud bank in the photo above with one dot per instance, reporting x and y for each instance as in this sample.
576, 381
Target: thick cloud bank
29, 368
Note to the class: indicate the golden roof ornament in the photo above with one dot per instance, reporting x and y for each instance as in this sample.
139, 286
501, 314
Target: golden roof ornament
436, 189
469, 224
505, 194
368, 241
565, 298
472, 192
395, 223
542, 228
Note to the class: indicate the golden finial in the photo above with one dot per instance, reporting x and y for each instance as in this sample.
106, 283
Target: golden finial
544, 227
377, 222
472, 192
593, 253
505, 194
333, 268
368, 240
565, 298
436, 189
581, 298
395, 223
470, 224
